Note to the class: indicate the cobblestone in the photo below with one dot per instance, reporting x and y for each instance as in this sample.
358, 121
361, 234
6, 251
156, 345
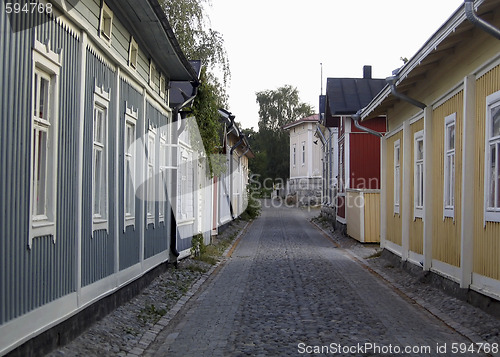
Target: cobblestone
287, 283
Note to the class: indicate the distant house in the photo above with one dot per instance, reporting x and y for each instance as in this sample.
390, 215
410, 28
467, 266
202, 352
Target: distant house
440, 199
231, 198
358, 154
305, 161
89, 158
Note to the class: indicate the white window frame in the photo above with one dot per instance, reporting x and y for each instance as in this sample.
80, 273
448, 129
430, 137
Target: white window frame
152, 73
47, 64
101, 102
303, 153
491, 214
162, 182
418, 176
129, 155
106, 23
133, 53
151, 176
294, 155
449, 170
163, 86
397, 176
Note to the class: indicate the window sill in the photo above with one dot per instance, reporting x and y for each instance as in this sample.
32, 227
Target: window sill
490, 216
99, 225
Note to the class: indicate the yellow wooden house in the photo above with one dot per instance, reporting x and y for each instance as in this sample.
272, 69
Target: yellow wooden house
440, 197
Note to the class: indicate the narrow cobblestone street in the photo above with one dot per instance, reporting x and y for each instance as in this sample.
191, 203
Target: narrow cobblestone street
286, 290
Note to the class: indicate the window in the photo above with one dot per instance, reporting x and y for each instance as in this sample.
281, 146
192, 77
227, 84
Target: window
162, 197
152, 73
151, 175
397, 175
492, 175
100, 160
449, 165
418, 179
129, 166
133, 53
294, 155
163, 87
106, 23
44, 124
303, 153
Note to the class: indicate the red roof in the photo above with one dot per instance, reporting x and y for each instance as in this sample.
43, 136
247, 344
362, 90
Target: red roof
310, 119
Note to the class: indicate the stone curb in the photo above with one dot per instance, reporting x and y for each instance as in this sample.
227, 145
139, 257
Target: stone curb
150, 335
446, 319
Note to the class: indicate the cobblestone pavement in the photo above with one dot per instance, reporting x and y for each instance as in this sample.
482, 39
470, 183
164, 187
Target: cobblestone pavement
287, 290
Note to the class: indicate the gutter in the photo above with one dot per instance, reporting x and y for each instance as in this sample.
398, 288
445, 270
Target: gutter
356, 117
187, 101
242, 137
392, 83
478, 22
174, 253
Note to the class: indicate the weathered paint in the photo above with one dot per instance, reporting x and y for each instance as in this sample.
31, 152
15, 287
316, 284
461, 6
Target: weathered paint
446, 231
416, 225
486, 237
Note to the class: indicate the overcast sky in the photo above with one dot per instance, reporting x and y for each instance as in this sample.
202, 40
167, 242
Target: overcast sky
271, 43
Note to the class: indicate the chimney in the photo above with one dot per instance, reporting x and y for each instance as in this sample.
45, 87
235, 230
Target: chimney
367, 72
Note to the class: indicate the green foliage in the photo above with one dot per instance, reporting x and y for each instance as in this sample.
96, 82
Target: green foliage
253, 208
198, 246
271, 144
206, 110
197, 39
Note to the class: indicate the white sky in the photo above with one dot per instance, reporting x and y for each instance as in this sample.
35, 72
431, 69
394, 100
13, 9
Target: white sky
271, 43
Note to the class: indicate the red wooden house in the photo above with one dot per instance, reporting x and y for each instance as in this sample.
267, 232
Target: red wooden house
357, 199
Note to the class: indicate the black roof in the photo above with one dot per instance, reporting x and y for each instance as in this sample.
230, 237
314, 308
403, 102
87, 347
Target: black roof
348, 95
177, 88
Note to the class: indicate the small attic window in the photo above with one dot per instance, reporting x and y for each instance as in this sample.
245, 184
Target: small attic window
152, 72
163, 86
133, 53
106, 23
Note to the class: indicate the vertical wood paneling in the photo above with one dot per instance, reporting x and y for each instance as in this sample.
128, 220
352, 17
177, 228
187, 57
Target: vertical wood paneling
417, 224
30, 278
486, 237
394, 223
372, 217
97, 247
446, 232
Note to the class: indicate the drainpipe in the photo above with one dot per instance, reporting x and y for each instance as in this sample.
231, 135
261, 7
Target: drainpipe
392, 82
188, 101
231, 172
322, 135
478, 22
173, 222
356, 117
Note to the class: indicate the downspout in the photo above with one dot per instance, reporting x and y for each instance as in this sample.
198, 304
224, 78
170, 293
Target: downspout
356, 117
231, 172
392, 82
478, 22
188, 101
173, 222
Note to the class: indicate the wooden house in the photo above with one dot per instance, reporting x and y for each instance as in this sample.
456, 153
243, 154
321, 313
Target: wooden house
358, 183
440, 199
89, 155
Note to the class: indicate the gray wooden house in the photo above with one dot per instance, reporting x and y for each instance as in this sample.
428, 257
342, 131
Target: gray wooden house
85, 162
